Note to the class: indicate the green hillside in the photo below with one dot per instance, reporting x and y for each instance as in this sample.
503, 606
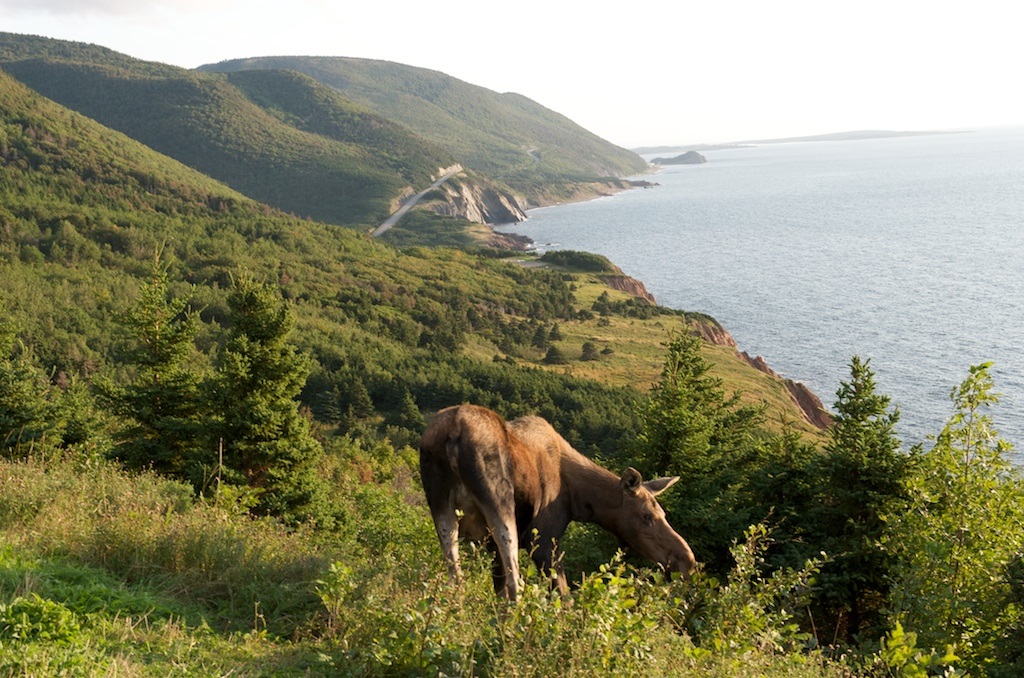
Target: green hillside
505, 136
280, 138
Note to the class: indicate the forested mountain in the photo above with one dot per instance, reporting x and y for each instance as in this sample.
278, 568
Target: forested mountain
505, 136
280, 138
340, 144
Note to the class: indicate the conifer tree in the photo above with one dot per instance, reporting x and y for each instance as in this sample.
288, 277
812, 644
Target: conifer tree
267, 443
690, 428
33, 410
862, 481
23, 391
163, 400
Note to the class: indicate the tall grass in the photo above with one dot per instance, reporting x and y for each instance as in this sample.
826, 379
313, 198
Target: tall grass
108, 573
146, 529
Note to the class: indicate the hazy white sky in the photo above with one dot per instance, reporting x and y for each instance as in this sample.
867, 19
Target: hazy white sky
636, 73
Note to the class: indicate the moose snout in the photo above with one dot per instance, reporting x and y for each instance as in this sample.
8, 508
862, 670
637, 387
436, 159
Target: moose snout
681, 560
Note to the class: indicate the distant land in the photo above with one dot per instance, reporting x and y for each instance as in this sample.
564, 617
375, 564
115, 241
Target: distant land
686, 149
688, 158
834, 136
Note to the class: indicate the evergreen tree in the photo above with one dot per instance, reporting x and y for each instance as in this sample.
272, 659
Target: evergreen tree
540, 337
554, 356
163, 400
24, 390
862, 481
33, 410
691, 429
589, 351
408, 415
961, 536
267, 443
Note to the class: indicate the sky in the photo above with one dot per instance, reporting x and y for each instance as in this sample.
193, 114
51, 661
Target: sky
642, 73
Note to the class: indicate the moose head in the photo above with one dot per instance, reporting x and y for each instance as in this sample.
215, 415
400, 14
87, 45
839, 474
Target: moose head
642, 524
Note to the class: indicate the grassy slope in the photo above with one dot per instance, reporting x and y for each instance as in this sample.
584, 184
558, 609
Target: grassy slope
505, 136
638, 351
103, 573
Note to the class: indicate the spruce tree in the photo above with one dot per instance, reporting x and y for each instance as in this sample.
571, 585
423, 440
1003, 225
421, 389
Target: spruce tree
163, 401
862, 478
24, 391
690, 428
267, 443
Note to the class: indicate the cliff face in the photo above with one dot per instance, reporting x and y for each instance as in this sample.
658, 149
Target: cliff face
811, 405
813, 409
710, 331
624, 283
476, 201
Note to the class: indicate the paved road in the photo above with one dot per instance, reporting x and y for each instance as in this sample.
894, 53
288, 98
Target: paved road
411, 202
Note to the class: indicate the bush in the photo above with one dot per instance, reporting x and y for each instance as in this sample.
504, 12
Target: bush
583, 261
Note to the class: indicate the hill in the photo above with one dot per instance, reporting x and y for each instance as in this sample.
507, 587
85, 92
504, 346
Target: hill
280, 138
345, 155
506, 136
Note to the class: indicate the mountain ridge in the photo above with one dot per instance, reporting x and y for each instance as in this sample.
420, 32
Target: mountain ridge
506, 136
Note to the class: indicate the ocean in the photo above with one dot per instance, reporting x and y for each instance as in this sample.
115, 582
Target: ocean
908, 251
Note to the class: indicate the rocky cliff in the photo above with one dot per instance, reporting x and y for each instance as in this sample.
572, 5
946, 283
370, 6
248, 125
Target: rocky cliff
811, 405
477, 201
711, 331
624, 283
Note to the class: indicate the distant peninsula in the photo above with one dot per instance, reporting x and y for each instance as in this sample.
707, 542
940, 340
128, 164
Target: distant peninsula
683, 149
850, 136
835, 136
687, 158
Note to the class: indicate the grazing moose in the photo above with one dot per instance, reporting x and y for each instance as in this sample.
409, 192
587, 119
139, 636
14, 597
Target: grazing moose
509, 479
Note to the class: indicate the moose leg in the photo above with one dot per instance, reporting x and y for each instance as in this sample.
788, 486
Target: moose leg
497, 568
488, 477
504, 543
446, 523
441, 499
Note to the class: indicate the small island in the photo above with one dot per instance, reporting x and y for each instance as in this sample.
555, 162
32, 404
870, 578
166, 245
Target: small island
688, 158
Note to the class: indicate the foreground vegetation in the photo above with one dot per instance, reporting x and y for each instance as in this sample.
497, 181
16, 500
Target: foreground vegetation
105, 571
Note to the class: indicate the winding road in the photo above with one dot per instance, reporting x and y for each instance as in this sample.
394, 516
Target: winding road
411, 202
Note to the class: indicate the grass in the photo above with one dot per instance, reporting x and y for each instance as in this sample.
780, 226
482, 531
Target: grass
106, 573
637, 353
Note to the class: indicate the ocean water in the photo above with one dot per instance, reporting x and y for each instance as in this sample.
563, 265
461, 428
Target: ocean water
908, 251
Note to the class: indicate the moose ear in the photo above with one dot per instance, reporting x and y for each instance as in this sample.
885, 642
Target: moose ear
631, 480
659, 485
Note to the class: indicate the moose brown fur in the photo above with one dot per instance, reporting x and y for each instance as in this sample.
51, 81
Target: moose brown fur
509, 479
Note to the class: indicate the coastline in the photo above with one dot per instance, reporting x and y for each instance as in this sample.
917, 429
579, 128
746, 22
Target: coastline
712, 331
872, 258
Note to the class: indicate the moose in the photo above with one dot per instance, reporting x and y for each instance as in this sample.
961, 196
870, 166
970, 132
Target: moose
520, 483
